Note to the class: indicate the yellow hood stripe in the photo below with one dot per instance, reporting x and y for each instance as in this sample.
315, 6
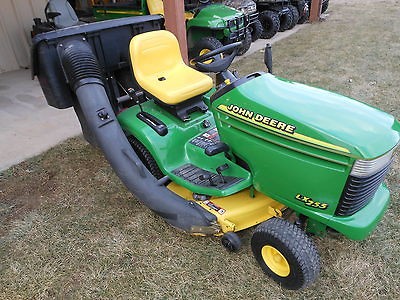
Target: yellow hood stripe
295, 135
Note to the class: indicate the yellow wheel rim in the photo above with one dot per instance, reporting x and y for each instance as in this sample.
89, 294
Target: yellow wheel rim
202, 52
275, 261
205, 51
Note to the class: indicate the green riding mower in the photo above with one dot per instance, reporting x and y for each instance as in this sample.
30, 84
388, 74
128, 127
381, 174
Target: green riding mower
208, 25
213, 160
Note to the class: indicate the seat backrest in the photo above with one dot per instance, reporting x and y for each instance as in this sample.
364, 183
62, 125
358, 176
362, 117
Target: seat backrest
154, 52
68, 16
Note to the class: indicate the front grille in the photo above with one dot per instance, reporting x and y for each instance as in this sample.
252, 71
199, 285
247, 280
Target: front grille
237, 24
358, 191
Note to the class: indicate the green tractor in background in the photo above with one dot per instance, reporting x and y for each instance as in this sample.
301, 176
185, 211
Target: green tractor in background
249, 8
209, 26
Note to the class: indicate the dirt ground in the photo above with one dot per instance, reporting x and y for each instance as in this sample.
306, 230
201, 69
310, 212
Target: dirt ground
70, 230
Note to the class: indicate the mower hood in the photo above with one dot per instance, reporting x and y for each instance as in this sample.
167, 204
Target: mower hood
214, 16
311, 116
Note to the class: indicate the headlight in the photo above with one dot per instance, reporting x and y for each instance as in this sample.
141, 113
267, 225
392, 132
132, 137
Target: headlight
365, 168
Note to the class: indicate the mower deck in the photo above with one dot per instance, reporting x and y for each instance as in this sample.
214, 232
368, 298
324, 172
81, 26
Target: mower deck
236, 212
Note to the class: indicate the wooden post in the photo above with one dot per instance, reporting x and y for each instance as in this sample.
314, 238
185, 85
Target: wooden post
315, 10
174, 13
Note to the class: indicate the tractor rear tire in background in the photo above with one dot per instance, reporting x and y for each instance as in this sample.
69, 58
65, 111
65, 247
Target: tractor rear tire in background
285, 253
325, 5
246, 43
146, 157
270, 23
204, 45
304, 12
295, 16
286, 21
256, 29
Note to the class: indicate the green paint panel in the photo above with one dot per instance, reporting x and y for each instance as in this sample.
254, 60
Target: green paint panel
214, 16
300, 144
175, 150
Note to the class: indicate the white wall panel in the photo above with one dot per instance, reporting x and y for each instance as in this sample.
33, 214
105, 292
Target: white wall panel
16, 20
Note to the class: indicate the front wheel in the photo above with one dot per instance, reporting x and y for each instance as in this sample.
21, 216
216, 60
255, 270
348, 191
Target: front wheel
285, 253
205, 45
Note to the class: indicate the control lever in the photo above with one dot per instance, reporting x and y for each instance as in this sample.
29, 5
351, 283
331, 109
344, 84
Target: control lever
207, 177
220, 169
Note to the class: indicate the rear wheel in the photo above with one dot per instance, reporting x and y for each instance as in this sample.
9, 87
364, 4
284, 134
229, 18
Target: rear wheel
285, 253
146, 157
295, 16
270, 23
285, 21
304, 12
325, 5
256, 29
246, 43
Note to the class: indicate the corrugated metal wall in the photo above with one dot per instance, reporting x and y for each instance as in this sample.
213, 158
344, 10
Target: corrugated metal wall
16, 19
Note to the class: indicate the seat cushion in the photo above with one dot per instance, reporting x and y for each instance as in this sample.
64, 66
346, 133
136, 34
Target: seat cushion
160, 70
177, 85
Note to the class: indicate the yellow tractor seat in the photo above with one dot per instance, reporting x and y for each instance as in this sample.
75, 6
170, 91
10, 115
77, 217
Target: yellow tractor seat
159, 69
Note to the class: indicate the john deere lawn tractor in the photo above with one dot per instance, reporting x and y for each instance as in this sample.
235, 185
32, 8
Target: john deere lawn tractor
213, 160
208, 25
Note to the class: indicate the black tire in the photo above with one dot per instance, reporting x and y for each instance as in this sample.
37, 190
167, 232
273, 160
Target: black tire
246, 43
285, 253
231, 242
256, 29
285, 21
304, 12
206, 43
270, 23
146, 157
295, 16
325, 4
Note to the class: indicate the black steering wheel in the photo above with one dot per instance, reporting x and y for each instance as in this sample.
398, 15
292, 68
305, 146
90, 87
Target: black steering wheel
217, 64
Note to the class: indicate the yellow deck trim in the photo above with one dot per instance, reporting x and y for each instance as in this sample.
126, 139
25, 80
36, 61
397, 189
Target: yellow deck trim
241, 211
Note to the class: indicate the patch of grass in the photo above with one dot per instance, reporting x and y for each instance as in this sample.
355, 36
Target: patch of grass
69, 229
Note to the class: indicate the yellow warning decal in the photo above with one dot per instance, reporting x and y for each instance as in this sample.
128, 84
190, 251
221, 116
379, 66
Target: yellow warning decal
271, 124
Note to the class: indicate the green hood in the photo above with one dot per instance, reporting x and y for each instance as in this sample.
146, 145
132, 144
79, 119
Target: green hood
312, 116
214, 16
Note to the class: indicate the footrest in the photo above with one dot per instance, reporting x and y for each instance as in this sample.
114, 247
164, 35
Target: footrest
193, 174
